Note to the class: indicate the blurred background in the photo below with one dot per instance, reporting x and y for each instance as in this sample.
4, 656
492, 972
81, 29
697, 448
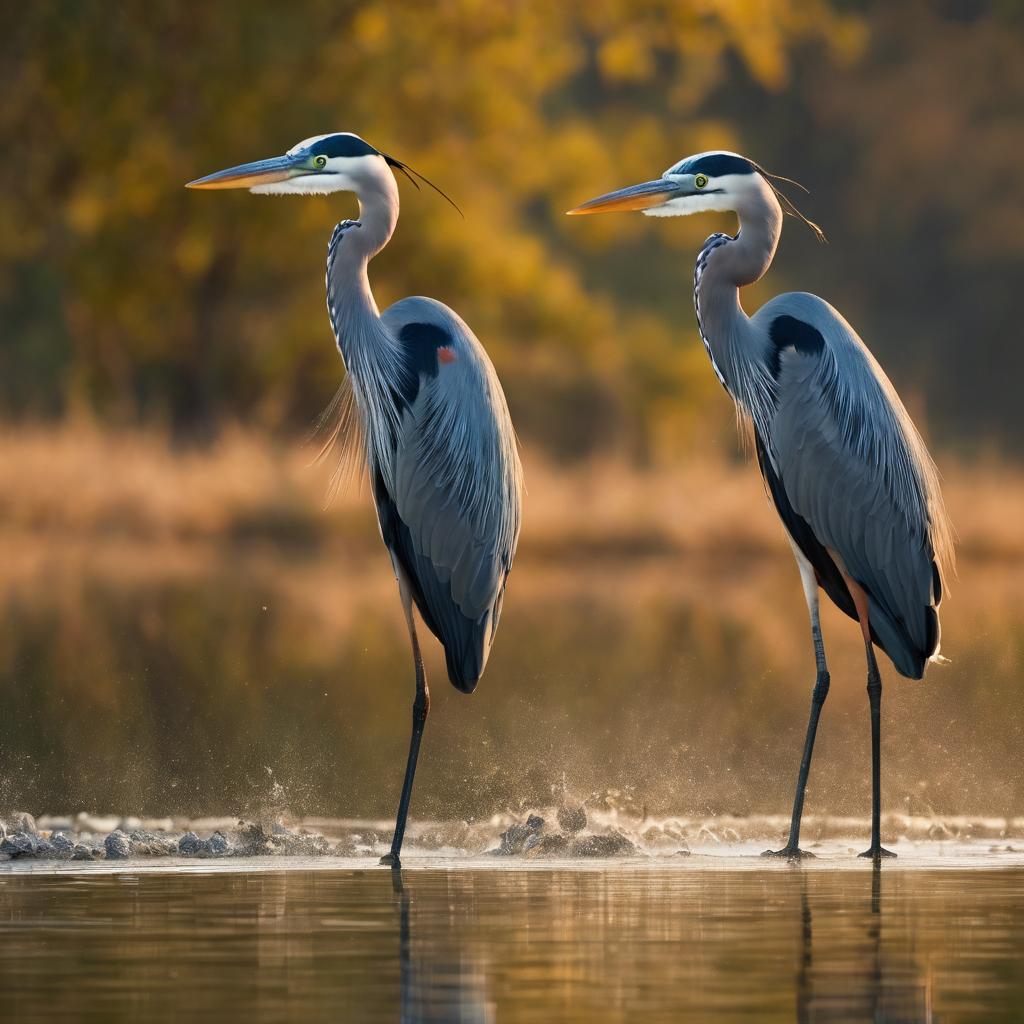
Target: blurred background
186, 629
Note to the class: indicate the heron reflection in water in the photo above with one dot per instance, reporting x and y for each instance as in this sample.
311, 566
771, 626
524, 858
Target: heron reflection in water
442, 985
858, 980
848, 473
422, 410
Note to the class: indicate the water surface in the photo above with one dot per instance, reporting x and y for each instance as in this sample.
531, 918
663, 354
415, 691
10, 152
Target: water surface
654, 943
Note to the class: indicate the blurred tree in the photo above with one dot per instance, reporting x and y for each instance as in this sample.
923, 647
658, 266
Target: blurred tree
121, 290
915, 160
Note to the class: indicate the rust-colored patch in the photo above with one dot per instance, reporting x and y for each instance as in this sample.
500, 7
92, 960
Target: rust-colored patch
445, 355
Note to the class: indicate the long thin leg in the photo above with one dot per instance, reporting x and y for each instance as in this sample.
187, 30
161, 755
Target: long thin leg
875, 701
420, 709
818, 695
860, 599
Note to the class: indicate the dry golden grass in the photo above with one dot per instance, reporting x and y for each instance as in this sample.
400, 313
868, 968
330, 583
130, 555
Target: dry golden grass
80, 504
77, 483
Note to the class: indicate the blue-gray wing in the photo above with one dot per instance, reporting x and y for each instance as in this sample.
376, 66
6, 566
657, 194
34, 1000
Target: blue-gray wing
855, 473
454, 507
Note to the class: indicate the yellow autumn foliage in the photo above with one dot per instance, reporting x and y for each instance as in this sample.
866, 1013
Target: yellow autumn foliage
190, 306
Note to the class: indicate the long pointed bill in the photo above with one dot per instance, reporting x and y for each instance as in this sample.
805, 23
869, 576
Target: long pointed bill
261, 172
636, 197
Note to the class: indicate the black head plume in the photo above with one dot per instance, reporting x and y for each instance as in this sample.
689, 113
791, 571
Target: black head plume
409, 172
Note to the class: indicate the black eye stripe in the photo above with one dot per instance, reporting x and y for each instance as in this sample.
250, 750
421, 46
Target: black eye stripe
342, 145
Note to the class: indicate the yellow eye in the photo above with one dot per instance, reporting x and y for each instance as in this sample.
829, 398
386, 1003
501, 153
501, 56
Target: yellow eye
700, 180
320, 161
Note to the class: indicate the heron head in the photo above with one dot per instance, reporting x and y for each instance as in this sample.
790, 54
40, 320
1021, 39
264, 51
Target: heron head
717, 180
707, 181
340, 162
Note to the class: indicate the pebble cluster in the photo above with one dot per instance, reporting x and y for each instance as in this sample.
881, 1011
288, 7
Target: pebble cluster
536, 838
92, 838
20, 838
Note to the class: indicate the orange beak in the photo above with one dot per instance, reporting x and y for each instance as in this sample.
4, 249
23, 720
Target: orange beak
636, 197
261, 172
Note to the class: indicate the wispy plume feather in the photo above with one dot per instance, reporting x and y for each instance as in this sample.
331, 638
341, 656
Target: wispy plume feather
338, 432
786, 204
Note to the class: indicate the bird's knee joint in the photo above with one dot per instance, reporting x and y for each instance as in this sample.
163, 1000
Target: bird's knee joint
821, 688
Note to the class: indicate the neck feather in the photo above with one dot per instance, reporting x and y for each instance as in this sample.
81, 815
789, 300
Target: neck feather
738, 351
371, 354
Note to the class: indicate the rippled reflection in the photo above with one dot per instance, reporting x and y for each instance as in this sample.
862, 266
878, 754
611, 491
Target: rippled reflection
438, 984
856, 976
621, 944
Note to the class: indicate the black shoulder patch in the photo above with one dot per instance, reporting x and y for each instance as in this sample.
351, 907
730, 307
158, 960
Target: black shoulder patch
717, 164
420, 343
342, 144
788, 332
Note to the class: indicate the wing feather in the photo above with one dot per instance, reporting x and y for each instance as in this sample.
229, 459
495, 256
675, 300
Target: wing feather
456, 483
848, 501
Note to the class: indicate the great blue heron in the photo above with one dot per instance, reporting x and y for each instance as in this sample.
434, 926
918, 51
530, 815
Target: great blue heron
421, 408
850, 477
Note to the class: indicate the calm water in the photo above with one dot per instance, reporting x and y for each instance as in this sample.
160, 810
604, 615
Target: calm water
684, 943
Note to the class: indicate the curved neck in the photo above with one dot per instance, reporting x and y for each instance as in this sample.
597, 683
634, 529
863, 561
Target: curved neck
724, 266
371, 353
354, 312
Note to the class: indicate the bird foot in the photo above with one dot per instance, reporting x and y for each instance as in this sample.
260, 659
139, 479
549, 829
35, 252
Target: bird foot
391, 860
877, 853
790, 853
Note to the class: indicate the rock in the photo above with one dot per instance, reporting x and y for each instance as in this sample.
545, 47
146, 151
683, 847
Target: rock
218, 845
572, 819
25, 845
252, 841
62, 846
149, 844
515, 836
118, 845
88, 851
190, 845
613, 845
